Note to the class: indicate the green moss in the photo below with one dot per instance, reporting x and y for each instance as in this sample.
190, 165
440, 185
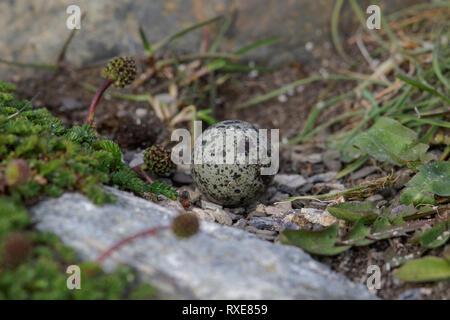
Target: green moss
57, 159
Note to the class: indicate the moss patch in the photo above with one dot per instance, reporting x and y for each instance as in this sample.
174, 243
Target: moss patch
39, 157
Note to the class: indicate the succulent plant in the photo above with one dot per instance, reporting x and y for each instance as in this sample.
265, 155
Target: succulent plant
120, 71
157, 160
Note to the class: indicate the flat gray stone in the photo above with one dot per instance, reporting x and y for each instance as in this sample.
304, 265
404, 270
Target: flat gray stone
218, 263
290, 180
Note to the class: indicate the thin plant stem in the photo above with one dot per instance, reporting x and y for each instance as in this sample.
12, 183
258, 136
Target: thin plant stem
95, 100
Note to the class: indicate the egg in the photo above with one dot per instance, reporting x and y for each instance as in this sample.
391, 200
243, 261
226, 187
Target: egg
229, 183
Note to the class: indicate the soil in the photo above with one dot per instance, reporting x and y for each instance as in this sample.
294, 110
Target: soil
134, 126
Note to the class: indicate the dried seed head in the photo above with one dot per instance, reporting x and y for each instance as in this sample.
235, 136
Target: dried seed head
185, 225
157, 160
121, 70
16, 248
16, 172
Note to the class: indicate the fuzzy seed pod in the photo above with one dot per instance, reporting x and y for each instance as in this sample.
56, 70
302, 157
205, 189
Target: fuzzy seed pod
121, 70
185, 225
157, 160
16, 248
16, 172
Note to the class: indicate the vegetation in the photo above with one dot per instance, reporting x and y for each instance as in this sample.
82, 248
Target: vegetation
39, 157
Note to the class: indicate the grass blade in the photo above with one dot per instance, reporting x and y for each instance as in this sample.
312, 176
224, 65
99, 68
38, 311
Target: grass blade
423, 87
183, 32
258, 44
335, 29
352, 167
145, 42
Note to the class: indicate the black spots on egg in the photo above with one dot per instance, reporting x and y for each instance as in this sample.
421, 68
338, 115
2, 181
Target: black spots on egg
236, 184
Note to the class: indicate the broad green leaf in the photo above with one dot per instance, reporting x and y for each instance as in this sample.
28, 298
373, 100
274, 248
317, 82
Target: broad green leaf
318, 242
432, 178
424, 269
388, 140
353, 211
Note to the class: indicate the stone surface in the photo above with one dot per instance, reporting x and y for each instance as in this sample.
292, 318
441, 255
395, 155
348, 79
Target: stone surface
218, 263
290, 180
36, 30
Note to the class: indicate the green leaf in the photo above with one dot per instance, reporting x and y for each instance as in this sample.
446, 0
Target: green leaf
317, 242
432, 178
353, 211
388, 140
424, 87
357, 235
183, 32
145, 42
258, 44
424, 269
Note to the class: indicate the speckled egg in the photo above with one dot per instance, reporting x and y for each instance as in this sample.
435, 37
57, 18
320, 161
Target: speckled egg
231, 185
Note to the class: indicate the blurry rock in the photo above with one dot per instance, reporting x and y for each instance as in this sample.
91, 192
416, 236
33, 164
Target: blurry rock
217, 263
362, 173
137, 160
322, 177
317, 216
111, 28
290, 180
182, 178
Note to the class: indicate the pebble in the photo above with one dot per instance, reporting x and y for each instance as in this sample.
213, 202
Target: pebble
137, 160
182, 178
210, 205
317, 216
260, 231
222, 217
290, 180
375, 198
322, 177
240, 224
364, 172
203, 215
141, 112
279, 196
332, 164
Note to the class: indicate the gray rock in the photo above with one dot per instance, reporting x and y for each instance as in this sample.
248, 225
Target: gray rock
290, 180
322, 177
218, 263
182, 178
111, 27
364, 172
137, 159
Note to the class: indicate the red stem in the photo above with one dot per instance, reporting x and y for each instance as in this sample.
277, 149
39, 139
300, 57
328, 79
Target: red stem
142, 173
95, 100
149, 232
